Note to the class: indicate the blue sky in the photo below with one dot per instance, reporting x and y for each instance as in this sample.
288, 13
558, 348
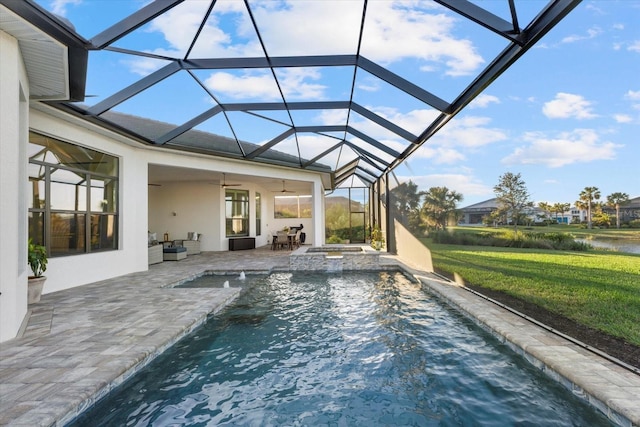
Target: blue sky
565, 116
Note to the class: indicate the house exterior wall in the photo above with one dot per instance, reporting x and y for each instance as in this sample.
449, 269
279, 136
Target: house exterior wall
199, 206
69, 271
14, 87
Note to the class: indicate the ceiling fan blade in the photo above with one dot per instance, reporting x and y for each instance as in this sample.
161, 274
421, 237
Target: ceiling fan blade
224, 182
284, 190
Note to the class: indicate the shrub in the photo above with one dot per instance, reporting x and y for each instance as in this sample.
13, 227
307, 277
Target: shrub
511, 239
334, 239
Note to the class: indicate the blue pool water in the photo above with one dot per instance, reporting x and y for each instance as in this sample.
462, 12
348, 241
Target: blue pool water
359, 349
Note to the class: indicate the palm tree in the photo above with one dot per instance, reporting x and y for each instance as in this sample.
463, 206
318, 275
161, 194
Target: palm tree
439, 203
615, 200
547, 208
406, 202
560, 208
587, 196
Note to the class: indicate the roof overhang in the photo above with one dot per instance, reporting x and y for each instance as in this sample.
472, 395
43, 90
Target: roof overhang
54, 56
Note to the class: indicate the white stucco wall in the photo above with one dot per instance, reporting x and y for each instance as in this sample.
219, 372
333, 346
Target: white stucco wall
199, 206
13, 131
70, 271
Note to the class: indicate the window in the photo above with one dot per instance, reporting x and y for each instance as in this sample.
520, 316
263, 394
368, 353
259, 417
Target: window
292, 207
237, 212
258, 214
73, 197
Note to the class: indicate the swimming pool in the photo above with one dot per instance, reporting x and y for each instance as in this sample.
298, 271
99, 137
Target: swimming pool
351, 349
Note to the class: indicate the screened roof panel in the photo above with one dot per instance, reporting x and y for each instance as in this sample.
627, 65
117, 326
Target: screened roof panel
124, 69
315, 83
314, 145
226, 33
401, 69
308, 27
182, 89
254, 129
319, 117
217, 125
240, 85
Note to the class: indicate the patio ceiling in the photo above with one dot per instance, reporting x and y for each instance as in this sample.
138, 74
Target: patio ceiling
343, 103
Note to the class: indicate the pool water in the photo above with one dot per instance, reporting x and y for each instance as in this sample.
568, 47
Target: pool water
357, 349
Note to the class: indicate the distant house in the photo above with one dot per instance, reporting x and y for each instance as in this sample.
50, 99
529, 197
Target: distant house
473, 214
628, 212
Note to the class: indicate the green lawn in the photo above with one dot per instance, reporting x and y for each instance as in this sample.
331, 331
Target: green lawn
596, 288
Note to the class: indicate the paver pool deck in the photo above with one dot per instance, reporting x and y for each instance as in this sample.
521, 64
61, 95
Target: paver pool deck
81, 343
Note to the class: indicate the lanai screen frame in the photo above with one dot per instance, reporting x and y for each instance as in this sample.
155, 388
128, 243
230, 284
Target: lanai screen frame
367, 166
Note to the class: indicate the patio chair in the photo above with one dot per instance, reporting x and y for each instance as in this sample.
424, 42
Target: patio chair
282, 240
296, 240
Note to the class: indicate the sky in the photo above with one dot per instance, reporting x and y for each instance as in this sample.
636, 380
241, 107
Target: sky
565, 116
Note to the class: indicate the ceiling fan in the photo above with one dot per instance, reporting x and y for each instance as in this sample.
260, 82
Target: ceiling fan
224, 182
284, 190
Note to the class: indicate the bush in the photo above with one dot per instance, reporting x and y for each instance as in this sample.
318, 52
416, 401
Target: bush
634, 223
511, 239
334, 239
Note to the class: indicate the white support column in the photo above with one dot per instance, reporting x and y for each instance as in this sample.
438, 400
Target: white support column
318, 213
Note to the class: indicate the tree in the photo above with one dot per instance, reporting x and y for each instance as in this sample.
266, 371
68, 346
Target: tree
512, 196
560, 208
615, 200
600, 218
587, 197
406, 202
439, 204
547, 208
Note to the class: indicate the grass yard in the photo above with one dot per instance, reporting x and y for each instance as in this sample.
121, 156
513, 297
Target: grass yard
596, 288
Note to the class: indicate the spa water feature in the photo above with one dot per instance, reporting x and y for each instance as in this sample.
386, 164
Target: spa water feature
344, 349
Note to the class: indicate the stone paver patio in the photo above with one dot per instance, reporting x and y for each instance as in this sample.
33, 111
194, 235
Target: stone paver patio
82, 342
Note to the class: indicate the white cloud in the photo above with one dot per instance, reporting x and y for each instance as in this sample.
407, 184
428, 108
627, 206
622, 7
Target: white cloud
466, 183
483, 100
566, 105
633, 95
635, 46
260, 84
592, 32
369, 84
439, 155
400, 30
622, 118
144, 66
458, 137
244, 86
468, 132
59, 7
394, 31
578, 146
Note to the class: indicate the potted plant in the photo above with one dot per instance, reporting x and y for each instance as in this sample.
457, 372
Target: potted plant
377, 238
37, 259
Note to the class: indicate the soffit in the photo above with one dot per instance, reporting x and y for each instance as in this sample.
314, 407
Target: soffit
45, 58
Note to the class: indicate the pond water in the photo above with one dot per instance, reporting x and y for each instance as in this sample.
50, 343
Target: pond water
627, 245
356, 349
